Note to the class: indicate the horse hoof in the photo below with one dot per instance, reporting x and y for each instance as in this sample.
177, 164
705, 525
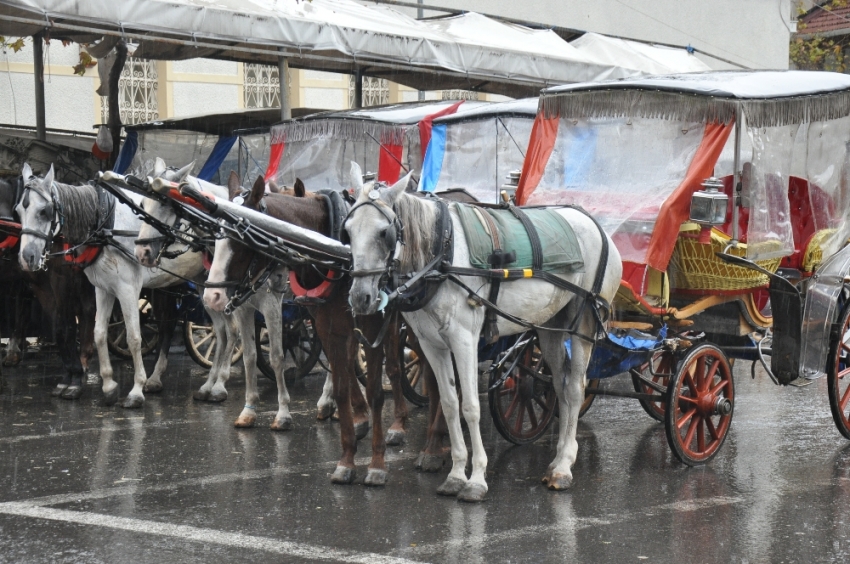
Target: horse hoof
217, 396
343, 475
472, 492
376, 477
72, 393
58, 390
395, 437
284, 424
201, 395
153, 387
245, 421
558, 482
325, 411
111, 397
429, 462
452, 486
361, 430
335, 415
133, 402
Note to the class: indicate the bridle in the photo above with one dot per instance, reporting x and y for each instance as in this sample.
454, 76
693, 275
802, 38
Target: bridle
393, 237
56, 222
167, 238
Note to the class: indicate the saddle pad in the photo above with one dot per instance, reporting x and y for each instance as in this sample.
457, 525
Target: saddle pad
561, 252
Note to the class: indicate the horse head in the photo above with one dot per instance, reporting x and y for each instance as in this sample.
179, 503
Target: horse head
151, 243
376, 239
41, 218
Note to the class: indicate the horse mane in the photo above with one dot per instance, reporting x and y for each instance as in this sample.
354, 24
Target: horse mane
418, 218
79, 206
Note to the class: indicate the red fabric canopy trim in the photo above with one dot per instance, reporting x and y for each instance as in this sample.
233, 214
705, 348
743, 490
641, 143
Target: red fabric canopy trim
389, 163
677, 208
540, 146
426, 123
274, 160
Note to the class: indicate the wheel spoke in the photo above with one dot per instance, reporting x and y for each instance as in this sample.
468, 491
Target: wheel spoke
512, 406
685, 418
711, 429
700, 434
531, 415
520, 418
689, 380
208, 336
722, 384
709, 378
699, 373
843, 373
845, 397
689, 436
688, 399
209, 350
541, 403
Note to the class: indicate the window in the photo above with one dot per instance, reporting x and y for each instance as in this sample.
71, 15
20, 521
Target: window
262, 86
460, 95
137, 93
376, 91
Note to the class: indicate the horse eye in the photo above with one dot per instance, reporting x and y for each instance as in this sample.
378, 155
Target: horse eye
383, 232
43, 213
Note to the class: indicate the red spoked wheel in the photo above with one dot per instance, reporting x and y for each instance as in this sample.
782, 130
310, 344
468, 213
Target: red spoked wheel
658, 370
700, 403
524, 405
838, 374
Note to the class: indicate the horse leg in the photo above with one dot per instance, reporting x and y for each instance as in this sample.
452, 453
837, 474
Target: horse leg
441, 362
245, 319
432, 457
326, 404
377, 475
86, 312
17, 341
335, 328
466, 361
569, 385
359, 405
165, 311
226, 331
270, 307
128, 297
65, 332
393, 368
105, 301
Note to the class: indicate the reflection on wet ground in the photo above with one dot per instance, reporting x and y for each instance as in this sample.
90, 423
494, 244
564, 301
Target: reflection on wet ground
175, 482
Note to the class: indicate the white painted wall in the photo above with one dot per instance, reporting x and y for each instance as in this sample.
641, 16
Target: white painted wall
194, 98
206, 66
753, 33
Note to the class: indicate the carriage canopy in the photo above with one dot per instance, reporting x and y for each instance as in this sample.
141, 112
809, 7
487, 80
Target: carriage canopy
384, 141
477, 149
634, 151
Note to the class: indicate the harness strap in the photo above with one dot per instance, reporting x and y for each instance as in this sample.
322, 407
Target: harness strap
533, 237
381, 333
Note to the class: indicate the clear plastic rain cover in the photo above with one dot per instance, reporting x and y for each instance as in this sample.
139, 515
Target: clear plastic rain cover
621, 171
176, 148
480, 154
325, 162
248, 157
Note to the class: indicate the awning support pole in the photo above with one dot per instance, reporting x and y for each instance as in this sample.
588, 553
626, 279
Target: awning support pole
285, 102
38, 67
736, 178
358, 89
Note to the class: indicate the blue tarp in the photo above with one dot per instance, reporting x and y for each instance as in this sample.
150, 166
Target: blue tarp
434, 154
128, 151
216, 157
621, 353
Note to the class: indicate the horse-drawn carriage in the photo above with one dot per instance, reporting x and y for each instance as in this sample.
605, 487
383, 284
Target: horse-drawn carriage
727, 197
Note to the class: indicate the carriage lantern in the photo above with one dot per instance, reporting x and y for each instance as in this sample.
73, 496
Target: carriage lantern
708, 206
509, 188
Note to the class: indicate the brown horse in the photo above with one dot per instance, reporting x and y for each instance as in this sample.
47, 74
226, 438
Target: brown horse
64, 293
335, 326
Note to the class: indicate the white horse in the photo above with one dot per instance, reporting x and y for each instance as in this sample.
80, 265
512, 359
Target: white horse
451, 322
49, 208
267, 300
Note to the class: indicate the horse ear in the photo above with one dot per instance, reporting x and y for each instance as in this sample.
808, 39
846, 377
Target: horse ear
48, 179
159, 167
258, 190
26, 172
233, 186
181, 174
399, 187
273, 187
356, 179
299, 188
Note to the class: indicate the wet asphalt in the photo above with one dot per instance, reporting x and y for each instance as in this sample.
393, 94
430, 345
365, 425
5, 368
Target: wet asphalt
175, 482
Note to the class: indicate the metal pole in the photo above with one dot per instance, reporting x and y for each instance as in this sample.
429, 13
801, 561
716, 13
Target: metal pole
285, 102
420, 13
358, 89
736, 177
38, 66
